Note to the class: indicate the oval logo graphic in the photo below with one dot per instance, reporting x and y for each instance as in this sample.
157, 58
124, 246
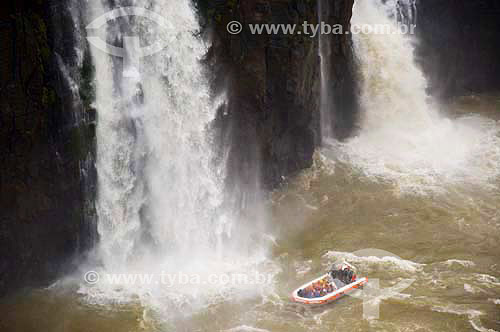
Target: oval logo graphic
124, 12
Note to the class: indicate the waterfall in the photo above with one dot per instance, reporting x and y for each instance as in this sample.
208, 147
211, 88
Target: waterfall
404, 137
156, 181
326, 98
160, 190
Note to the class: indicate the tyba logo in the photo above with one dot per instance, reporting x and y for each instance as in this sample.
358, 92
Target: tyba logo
131, 52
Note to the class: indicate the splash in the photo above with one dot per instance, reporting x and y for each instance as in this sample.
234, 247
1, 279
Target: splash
403, 136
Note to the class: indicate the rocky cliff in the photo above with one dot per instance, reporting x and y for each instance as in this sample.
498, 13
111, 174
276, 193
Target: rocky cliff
273, 81
46, 149
459, 45
269, 124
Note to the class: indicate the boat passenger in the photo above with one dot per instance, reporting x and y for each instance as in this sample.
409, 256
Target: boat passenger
309, 292
350, 276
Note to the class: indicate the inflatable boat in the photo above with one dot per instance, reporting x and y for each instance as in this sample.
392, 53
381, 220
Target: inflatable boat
341, 280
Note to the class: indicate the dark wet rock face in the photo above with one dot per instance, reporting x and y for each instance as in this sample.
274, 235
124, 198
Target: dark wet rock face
47, 147
272, 115
343, 82
459, 45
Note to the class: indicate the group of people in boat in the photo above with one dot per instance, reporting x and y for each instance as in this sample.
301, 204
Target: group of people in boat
317, 289
327, 285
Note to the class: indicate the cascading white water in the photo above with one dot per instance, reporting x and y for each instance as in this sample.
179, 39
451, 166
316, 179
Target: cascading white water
324, 49
160, 193
403, 137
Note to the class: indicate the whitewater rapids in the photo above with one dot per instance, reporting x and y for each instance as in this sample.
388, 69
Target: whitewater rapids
404, 136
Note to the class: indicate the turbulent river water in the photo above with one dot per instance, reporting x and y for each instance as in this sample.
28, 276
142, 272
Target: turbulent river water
419, 180
448, 239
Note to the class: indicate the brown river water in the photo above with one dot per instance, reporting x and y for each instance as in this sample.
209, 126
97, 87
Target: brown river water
448, 238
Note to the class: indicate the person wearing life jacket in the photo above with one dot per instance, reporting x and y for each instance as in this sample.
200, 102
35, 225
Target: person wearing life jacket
350, 276
330, 288
309, 292
334, 273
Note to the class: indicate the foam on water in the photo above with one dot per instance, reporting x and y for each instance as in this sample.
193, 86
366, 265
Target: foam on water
185, 288
473, 315
468, 288
403, 138
365, 261
464, 263
487, 280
